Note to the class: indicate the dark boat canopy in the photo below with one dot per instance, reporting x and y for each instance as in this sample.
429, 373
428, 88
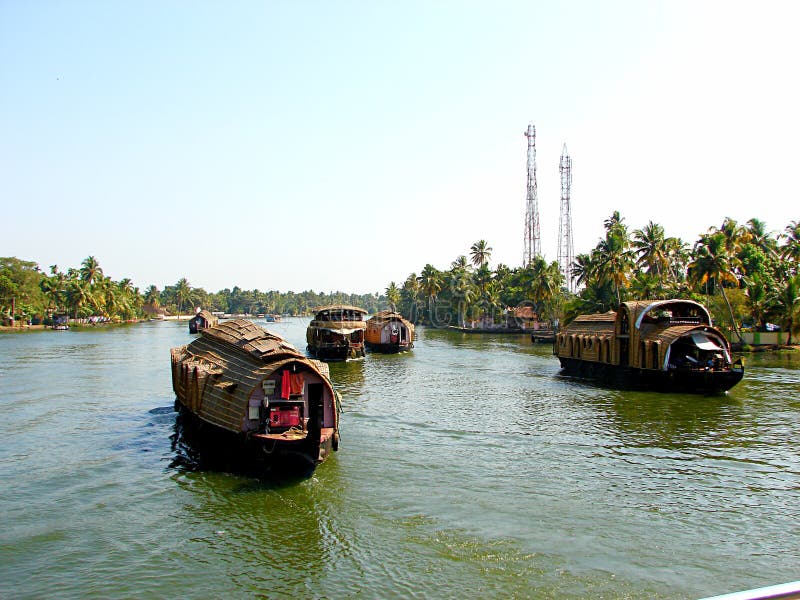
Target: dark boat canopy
339, 312
675, 310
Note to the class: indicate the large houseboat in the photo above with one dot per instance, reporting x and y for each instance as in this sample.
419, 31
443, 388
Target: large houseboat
667, 345
337, 332
388, 332
271, 402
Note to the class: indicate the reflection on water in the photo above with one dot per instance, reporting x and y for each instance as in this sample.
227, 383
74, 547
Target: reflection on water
468, 467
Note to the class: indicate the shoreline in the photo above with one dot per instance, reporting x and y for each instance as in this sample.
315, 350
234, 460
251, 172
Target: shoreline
27, 328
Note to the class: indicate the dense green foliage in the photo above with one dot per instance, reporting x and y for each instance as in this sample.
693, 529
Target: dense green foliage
744, 274
747, 276
85, 292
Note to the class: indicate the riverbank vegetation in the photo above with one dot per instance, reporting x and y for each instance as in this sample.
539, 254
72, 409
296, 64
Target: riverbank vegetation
748, 277
28, 295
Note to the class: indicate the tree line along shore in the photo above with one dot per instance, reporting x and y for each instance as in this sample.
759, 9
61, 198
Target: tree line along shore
748, 277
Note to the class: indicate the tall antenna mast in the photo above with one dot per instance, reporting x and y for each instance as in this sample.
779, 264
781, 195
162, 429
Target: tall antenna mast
532, 239
566, 250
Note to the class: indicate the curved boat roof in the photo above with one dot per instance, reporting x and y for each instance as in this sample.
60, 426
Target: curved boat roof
388, 315
252, 339
642, 307
340, 307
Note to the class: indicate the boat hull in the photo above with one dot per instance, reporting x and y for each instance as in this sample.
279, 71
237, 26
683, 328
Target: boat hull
388, 348
332, 353
696, 381
261, 455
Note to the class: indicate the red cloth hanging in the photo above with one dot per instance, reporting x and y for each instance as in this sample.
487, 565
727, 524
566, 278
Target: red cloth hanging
296, 383
286, 385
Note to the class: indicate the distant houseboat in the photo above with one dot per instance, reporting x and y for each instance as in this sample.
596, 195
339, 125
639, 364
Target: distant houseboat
61, 322
337, 333
202, 320
668, 345
276, 406
389, 332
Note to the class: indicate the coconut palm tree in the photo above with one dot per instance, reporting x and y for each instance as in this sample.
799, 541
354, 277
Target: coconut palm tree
410, 292
480, 253
152, 297
758, 298
463, 289
393, 296
714, 265
614, 261
786, 305
78, 294
90, 270
650, 246
583, 269
431, 283
761, 238
790, 251
183, 293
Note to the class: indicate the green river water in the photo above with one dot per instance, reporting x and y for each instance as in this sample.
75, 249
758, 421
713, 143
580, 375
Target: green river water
468, 468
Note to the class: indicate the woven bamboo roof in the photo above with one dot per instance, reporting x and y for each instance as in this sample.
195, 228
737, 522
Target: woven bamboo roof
249, 337
208, 316
385, 316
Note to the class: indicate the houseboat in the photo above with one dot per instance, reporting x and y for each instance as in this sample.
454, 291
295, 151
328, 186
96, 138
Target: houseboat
272, 403
337, 332
389, 332
203, 319
666, 345
60, 322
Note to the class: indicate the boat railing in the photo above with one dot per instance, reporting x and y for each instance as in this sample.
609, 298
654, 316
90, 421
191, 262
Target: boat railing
685, 321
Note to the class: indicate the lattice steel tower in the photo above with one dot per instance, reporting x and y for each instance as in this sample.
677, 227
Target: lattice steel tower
532, 239
566, 250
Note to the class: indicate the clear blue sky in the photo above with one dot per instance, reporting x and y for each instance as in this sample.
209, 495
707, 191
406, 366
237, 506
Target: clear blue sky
343, 145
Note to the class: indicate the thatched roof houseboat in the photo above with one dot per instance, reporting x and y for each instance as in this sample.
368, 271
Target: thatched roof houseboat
337, 332
202, 320
660, 345
388, 332
278, 406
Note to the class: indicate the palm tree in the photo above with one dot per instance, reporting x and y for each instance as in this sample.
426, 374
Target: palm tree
583, 269
431, 284
714, 265
411, 292
679, 256
761, 238
77, 293
460, 264
650, 244
614, 261
183, 293
463, 288
786, 305
393, 296
480, 252
790, 251
757, 293
90, 270
152, 297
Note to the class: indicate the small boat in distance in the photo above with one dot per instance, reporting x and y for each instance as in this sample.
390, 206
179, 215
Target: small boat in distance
203, 319
270, 403
388, 332
664, 345
60, 322
337, 332
272, 318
